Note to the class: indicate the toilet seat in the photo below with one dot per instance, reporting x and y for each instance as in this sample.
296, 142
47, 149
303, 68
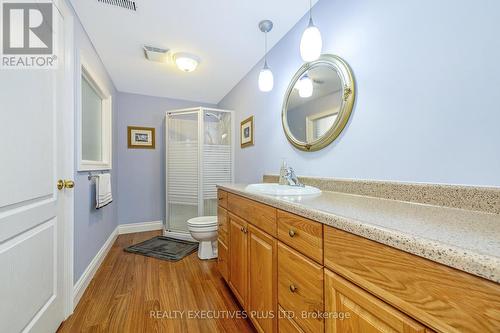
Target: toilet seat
202, 222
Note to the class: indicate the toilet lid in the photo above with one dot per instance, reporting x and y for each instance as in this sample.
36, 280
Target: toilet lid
202, 221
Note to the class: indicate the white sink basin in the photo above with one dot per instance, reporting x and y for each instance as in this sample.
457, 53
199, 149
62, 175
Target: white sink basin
282, 190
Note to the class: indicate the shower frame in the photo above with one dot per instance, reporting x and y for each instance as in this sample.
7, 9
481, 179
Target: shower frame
200, 111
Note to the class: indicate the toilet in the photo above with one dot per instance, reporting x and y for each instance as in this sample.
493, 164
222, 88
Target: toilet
204, 230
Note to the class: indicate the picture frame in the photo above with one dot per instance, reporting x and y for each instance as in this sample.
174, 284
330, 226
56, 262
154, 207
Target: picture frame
141, 137
246, 132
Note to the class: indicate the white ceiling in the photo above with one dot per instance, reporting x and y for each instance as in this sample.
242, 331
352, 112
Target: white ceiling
223, 33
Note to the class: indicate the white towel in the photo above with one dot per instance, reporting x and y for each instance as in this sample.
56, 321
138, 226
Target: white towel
103, 195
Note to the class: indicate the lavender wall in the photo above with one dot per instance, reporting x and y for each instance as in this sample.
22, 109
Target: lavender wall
427, 106
91, 227
141, 180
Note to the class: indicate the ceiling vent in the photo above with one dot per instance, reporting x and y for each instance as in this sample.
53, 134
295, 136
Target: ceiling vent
155, 53
127, 4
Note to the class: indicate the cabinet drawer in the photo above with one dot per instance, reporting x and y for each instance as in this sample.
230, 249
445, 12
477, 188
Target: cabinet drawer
222, 198
361, 310
223, 225
260, 215
286, 323
431, 293
300, 288
222, 259
303, 235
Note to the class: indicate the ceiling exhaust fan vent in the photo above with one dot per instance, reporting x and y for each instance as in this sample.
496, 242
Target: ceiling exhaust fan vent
127, 4
155, 53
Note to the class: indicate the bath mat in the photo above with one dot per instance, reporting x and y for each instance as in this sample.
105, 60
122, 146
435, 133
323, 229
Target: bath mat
164, 248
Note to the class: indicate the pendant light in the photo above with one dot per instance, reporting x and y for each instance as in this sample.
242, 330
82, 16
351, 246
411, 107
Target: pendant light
266, 79
311, 42
305, 87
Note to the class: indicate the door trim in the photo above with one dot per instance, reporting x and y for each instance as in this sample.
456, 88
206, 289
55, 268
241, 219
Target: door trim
68, 155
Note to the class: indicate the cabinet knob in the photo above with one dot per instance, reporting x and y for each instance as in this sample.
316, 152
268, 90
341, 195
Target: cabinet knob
293, 288
245, 230
291, 233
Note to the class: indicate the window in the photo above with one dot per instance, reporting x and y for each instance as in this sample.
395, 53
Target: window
319, 123
95, 124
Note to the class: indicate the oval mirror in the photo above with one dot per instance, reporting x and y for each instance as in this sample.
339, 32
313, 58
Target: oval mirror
318, 103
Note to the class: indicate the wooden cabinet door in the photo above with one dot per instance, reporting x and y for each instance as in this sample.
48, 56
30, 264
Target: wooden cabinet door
262, 280
365, 312
223, 228
222, 260
238, 258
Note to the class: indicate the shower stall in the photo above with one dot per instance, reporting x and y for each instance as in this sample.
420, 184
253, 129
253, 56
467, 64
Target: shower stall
199, 154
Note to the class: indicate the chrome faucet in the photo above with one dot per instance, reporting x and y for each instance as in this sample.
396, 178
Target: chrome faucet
290, 178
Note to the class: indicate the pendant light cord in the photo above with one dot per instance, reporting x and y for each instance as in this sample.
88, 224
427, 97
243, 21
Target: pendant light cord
265, 49
310, 9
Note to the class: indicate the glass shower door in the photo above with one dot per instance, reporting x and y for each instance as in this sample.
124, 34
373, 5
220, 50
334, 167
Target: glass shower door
217, 151
183, 176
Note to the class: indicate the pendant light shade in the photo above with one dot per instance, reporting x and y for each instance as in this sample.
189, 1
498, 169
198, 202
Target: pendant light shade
311, 42
305, 87
266, 79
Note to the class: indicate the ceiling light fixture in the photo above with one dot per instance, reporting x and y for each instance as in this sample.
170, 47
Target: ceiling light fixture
266, 79
186, 62
311, 42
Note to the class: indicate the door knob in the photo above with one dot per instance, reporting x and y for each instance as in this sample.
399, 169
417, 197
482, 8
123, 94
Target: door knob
69, 184
65, 184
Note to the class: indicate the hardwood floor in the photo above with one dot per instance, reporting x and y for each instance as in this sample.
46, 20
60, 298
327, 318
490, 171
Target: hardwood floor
133, 293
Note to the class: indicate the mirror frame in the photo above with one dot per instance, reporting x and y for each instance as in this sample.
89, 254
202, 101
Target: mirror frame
349, 92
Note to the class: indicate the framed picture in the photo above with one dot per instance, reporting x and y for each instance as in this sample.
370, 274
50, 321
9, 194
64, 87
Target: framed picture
246, 132
141, 137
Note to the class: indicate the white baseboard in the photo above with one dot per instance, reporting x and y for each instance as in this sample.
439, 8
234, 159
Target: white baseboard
139, 227
179, 235
84, 280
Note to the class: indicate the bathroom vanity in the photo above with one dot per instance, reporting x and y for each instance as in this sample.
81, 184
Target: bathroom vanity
319, 265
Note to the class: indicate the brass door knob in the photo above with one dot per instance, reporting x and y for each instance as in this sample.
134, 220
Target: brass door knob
69, 184
291, 233
293, 288
65, 184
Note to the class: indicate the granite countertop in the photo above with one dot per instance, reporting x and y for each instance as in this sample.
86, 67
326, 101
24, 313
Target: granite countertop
463, 239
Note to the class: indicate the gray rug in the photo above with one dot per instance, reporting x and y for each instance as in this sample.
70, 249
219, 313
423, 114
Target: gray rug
165, 248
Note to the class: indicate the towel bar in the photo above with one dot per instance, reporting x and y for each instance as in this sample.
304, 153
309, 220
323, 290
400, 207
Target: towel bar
93, 176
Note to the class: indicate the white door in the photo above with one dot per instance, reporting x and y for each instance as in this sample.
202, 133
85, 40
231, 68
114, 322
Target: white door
35, 151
